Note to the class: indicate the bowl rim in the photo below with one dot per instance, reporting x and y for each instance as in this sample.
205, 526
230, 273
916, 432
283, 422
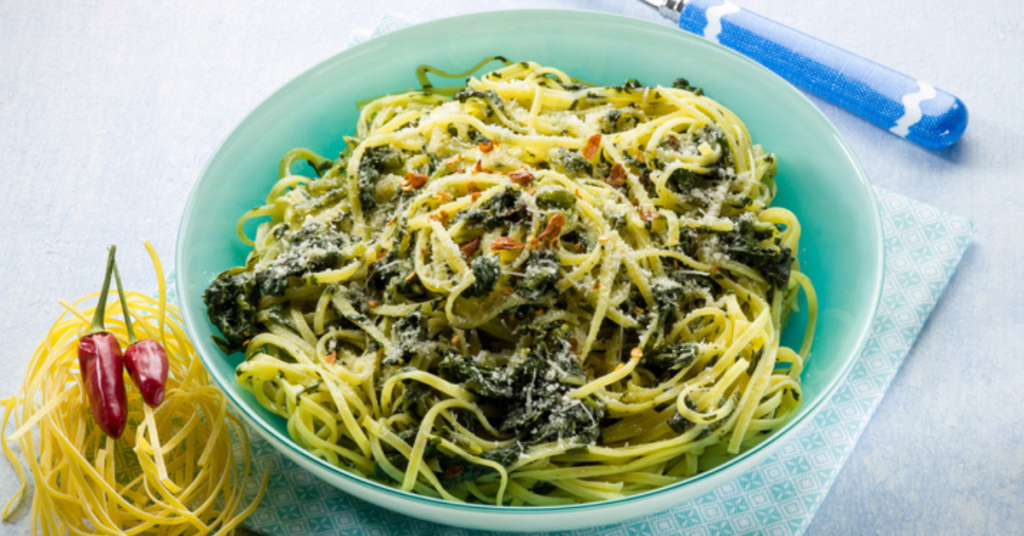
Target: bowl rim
805, 414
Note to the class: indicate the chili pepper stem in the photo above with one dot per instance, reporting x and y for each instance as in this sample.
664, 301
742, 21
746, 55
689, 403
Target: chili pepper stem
124, 308
101, 305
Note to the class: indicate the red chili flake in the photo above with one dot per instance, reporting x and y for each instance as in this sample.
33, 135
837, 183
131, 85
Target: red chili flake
673, 142
413, 181
443, 196
469, 248
532, 191
505, 243
453, 471
486, 146
472, 188
475, 195
521, 177
553, 229
331, 358
478, 168
381, 254
592, 146
573, 344
648, 214
617, 177
373, 304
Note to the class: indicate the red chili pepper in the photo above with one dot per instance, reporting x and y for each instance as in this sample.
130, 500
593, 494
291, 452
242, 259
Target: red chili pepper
145, 360
99, 358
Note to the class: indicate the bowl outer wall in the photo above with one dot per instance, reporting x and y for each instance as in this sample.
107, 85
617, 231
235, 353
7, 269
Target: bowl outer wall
819, 179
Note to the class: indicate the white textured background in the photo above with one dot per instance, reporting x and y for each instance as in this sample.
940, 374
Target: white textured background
108, 110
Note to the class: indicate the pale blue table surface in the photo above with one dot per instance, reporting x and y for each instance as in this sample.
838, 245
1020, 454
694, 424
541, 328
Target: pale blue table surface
108, 111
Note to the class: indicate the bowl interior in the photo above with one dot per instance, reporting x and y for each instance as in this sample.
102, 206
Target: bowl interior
819, 178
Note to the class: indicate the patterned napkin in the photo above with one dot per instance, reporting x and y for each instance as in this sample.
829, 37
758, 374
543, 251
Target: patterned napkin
923, 246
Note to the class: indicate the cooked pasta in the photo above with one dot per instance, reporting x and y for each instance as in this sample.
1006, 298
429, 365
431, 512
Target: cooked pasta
529, 290
173, 472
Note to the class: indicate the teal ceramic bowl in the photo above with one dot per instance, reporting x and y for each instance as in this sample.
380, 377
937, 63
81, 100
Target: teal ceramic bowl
819, 179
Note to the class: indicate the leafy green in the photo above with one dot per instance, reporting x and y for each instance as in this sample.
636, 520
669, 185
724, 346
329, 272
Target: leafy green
610, 124
231, 302
773, 261
679, 424
670, 358
549, 196
502, 209
390, 275
487, 270
666, 293
482, 380
686, 180
684, 84
375, 161
506, 456
611, 121
313, 247
541, 275
629, 84
486, 96
571, 163
316, 385
279, 313
543, 488
380, 474
529, 392
406, 332
416, 399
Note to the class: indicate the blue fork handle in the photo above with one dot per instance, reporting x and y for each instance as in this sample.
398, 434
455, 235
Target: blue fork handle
905, 106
